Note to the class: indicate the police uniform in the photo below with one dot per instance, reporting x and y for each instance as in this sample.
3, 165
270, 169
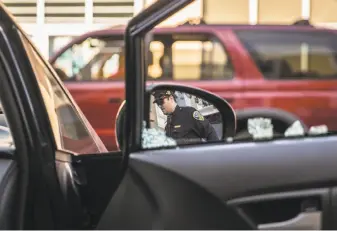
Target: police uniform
186, 124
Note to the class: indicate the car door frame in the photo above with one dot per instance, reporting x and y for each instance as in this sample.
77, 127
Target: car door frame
15, 123
45, 207
136, 70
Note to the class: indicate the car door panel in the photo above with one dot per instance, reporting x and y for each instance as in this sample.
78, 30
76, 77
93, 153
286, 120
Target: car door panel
194, 187
99, 176
8, 188
88, 181
177, 203
301, 209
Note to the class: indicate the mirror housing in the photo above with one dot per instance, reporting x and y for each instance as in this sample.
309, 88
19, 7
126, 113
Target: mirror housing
221, 106
227, 113
119, 125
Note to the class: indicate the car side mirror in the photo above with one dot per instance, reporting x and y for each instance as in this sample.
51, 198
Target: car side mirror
188, 115
178, 115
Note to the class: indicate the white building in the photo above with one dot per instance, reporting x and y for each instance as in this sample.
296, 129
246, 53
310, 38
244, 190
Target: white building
51, 23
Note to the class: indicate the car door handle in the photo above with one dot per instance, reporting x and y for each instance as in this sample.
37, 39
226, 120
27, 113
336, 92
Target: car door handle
304, 220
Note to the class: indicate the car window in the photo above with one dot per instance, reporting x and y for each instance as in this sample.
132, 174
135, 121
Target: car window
94, 59
70, 131
98, 59
265, 110
57, 42
292, 55
199, 57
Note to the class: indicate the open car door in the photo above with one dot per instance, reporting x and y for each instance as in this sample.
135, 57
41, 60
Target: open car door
29, 193
268, 184
55, 172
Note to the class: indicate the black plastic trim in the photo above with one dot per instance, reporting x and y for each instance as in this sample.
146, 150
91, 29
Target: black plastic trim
274, 196
136, 68
236, 170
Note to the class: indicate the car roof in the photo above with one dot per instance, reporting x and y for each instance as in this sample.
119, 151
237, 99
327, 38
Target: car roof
119, 30
188, 27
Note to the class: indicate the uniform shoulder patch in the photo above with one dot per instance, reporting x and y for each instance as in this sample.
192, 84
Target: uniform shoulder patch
197, 115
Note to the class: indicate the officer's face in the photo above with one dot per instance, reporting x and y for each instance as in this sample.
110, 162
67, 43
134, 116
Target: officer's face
166, 104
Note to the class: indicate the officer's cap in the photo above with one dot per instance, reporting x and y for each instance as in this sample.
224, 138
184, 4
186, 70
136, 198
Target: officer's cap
159, 94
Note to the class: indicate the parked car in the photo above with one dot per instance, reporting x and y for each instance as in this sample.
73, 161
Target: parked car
283, 72
55, 172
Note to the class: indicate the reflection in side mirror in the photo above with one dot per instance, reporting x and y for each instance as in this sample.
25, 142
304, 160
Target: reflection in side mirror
184, 117
189, 116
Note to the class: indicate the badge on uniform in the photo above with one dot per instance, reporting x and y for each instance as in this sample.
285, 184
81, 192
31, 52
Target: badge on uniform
177, 126
197, 115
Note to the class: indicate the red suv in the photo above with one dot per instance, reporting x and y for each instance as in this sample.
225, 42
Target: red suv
286, 73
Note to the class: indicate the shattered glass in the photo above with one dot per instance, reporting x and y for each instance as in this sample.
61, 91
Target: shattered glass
260, 128
296, 129
318, 130
155, 138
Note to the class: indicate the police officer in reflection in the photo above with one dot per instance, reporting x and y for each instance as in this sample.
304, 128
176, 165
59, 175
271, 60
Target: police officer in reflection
184, 124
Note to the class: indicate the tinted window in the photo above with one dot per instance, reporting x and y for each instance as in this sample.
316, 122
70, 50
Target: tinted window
292, 55
198, 57
69, 130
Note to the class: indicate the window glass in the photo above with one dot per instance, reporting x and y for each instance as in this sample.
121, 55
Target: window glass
92, 60
57, 42
170, 59
292, 55
301, 103
189, 59
70, 131
155, 69
200, 60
